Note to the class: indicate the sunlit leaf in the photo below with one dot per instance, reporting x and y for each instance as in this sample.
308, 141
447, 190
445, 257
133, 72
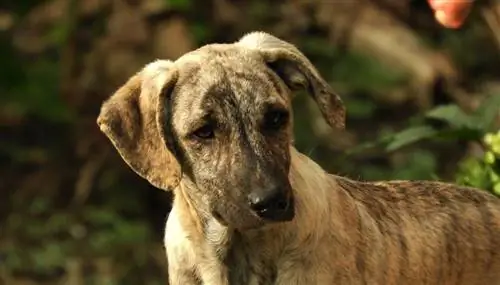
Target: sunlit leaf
410, 136
487, 112
452, 115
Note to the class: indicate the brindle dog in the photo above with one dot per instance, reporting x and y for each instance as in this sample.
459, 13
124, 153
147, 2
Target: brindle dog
215, 126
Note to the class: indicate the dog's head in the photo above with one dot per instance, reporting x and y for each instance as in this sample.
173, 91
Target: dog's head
219, 118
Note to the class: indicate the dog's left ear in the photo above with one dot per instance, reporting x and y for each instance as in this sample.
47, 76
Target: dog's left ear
298, 73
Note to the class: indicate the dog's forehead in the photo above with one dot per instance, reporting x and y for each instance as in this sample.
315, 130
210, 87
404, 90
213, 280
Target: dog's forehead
220, 71
221, 53
219, 64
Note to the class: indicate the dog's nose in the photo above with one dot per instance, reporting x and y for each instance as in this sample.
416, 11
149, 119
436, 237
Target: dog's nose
273, 204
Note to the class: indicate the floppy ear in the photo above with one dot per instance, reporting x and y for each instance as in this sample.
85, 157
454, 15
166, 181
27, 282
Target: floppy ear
298, 73
134, 120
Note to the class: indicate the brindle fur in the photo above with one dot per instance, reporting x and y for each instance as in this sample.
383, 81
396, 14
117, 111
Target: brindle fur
343, 231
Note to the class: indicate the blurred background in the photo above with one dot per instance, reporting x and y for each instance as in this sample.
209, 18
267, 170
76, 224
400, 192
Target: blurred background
422, 103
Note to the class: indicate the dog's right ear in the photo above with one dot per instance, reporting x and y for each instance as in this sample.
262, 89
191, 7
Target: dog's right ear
298, 73
134, 120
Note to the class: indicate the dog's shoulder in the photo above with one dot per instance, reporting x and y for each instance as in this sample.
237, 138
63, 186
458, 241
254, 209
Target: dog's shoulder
437, 191
394, 190
416, 198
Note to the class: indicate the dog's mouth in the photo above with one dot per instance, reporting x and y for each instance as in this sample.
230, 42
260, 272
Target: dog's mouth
246, 218
219, 218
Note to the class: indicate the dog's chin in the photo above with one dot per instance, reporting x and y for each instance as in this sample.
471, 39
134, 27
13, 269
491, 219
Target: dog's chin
249, 221
218, 217
239, 221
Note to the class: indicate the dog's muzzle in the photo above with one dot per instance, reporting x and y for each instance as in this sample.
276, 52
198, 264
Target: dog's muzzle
274, 204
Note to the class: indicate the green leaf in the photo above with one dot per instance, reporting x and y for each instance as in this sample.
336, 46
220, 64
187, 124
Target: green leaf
362, 147
496, 189
410, 136
360, 108
420, 164
39, 205
472, 172
461, 134
201, 32
101, 216
373, 173
37, 93
452, 115
48, 257
366, 73
381, 140
180, 4
487, 112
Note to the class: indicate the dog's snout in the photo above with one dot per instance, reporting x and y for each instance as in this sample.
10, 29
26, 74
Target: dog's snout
275, 199
273, 204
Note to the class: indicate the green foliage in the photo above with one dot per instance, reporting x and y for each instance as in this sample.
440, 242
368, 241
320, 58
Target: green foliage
31, 89
180, 4
451, 124
471, 37
419, 164
200, 32
360, 72
360, 108
46, 239
446, 122
352, 70
40, 96
409, 136
483, 172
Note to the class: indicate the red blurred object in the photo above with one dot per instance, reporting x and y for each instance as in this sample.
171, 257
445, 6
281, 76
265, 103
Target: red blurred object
451, 13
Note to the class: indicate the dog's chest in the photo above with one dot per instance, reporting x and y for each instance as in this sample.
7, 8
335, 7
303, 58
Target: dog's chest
253, 265
249, 265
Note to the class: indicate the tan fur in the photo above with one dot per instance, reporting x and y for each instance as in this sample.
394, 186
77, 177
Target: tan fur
334, 232
342, 232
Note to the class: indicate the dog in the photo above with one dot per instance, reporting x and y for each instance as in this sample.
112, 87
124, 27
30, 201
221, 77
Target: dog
215, 127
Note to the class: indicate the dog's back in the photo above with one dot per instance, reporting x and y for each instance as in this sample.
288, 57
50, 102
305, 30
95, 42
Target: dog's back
432, 231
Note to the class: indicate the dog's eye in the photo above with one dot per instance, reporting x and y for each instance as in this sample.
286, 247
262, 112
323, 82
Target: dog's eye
205, 132
275, 119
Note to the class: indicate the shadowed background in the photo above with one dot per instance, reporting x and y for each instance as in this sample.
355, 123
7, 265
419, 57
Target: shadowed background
422, 103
